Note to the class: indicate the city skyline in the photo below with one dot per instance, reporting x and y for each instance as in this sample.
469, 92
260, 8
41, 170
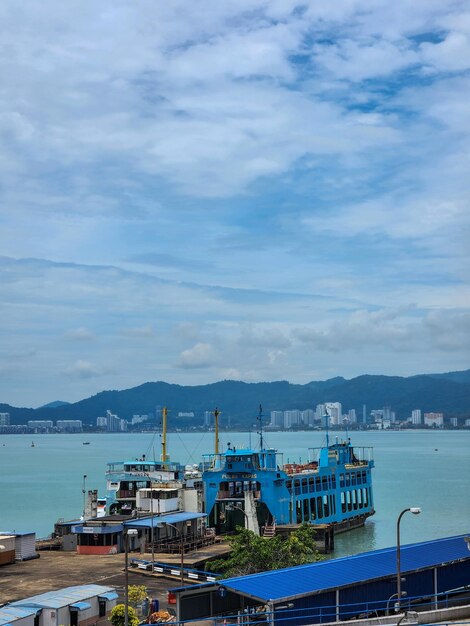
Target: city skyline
263, 191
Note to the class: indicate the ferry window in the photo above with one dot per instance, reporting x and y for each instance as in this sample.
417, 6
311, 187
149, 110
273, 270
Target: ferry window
318, 484
341, 480
365, 498
332, 505
324, 483
348, 480
289, 485
229, 466
298, 512
333, 481
364, 477
326, 508
304, 485
313, 508
306, 511
311, 484
359, 498
354, 499
319, 507
296, 487
343, 502
353, 478
348, 500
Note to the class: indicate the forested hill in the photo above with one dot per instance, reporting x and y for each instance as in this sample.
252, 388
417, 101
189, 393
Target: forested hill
447, 393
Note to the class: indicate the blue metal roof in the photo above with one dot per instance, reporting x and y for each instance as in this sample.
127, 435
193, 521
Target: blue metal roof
11, 613
80, 606
171, 518
62, 597
318, 577
109, 595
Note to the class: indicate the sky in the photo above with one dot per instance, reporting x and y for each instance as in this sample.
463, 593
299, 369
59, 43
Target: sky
253, 190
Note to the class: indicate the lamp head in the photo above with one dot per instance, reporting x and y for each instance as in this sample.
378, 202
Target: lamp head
415, 510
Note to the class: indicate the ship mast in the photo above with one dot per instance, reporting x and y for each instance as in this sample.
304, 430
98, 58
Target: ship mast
216, 428
164, 456
260, 418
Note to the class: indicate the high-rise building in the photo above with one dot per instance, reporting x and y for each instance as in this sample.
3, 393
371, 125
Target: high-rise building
277, 419
454, 422
291, 418
352, 416
335, 412
307, 417
4, 419
416, 417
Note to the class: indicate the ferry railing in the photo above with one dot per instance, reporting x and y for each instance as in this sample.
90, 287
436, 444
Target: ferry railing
287, 615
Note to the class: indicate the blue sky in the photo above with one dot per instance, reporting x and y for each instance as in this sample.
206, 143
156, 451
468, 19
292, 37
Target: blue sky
253, 190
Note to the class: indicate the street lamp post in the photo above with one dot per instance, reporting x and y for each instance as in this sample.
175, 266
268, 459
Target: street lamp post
132, 532
180, 534
415, 511
84, 492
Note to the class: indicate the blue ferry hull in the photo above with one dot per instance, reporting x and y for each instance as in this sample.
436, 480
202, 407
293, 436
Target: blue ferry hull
335, 489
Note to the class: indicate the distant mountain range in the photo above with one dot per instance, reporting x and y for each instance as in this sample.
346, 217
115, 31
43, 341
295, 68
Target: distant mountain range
448, 393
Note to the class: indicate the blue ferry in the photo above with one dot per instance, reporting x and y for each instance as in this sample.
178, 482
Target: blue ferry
333, 488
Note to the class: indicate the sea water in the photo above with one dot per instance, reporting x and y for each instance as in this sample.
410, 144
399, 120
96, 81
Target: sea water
427, 469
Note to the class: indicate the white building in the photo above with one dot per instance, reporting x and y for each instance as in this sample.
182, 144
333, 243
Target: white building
334, 410
81, 605
291, 418
435, 420
70, 426
352, 416
40, 425
277, 419
416, 417
454, 422
308, 417
320, 411
4, 419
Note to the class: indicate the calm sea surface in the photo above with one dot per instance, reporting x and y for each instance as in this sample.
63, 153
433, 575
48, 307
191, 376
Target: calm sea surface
413, 468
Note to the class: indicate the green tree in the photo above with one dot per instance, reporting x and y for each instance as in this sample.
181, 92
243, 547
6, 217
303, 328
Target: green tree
136, 594
117, 617
250, 553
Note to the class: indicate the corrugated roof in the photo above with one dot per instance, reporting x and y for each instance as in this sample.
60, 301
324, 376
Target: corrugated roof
171, 518
316, 577
62, 597
11, 613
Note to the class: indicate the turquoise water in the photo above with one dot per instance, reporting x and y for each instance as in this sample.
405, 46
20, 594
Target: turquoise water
413, 468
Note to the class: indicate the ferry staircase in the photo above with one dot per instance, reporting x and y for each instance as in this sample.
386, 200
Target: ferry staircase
269, 530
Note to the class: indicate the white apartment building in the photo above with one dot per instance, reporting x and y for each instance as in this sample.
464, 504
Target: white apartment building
352, 417
434, 419
308, 416
291, 418
277, 419
40, 424
4, 419
70, 426
334, 410
416, 417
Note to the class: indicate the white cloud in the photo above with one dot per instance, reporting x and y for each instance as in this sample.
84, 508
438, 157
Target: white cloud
199, 356
291, 167
82, 369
